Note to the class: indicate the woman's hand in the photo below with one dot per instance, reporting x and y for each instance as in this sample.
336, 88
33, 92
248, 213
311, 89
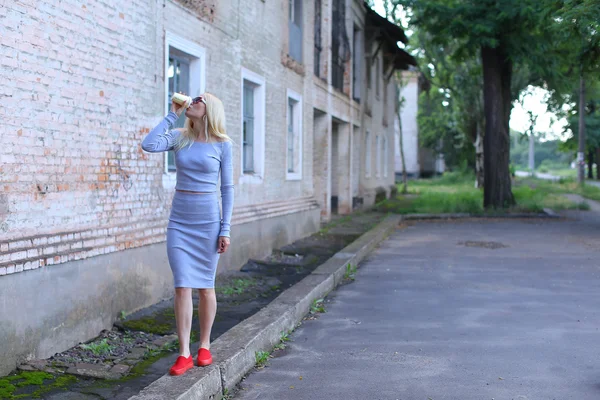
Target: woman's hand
223, 244
177, 108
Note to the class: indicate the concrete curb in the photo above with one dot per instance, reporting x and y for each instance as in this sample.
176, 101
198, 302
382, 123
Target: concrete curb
237, 347
548, 213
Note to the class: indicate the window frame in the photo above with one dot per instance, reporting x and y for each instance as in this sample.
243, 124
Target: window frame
386, 158
295, 22
368, 154
259, 84
378, 142
197, 71
298, 117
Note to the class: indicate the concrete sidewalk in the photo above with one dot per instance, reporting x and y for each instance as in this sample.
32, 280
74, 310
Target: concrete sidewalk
463, 310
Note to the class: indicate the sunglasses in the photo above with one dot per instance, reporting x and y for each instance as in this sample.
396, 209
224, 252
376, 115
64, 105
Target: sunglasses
198, 99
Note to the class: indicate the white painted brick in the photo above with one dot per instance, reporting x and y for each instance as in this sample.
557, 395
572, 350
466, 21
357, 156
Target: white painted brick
89, 83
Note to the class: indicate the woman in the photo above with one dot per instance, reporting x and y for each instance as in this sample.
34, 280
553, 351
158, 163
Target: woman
196, 233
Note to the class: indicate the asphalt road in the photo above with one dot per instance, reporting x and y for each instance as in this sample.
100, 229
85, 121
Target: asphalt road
505, 309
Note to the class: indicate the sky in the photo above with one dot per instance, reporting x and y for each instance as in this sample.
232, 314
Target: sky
533, 99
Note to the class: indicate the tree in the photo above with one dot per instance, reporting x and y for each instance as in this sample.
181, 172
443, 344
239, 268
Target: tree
591, 120
505, 35
461, 85
577, 23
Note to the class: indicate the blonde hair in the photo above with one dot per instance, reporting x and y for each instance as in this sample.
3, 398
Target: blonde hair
213, 126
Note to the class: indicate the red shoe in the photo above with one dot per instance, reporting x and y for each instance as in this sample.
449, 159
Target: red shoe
181, 365
204, 357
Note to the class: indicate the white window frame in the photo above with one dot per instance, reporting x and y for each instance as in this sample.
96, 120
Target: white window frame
197, 73
298, 116
386, 158
368, 151
259, 126
378, 156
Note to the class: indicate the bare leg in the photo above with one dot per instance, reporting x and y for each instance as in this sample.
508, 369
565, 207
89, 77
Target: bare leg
183, 316
207, 310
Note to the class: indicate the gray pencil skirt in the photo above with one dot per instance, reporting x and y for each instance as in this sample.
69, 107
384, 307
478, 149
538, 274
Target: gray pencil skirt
192, 239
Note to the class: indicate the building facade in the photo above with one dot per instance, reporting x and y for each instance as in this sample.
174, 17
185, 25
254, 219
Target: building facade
419, 161
309, 100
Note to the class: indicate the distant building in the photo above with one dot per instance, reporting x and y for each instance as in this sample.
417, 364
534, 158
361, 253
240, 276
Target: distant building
420, 162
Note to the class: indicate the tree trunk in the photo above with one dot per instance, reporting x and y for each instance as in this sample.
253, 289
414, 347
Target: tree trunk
580, 153
497, 74
598, 163
532, 154
591, 164
479, 174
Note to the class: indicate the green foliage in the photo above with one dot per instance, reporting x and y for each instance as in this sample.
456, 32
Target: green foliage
455, 193
317, 306
261, 358
350, 273
98, 348
548, 153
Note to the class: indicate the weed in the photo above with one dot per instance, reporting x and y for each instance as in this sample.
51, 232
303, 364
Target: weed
98, 348
261, 358
350, 272
317, 307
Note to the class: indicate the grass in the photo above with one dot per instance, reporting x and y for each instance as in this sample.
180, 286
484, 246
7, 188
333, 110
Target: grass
455, 193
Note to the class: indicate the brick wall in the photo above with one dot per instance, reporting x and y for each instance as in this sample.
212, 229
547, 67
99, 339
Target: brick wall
83, 82
80, 83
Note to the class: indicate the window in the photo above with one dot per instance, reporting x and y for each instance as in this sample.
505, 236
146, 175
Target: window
294, 136
385, 101
248, 127
368, 150
340, 51
318, 38
377, 76
295, 29
253, 127
378, 156
357, 57
184, 72
385, 156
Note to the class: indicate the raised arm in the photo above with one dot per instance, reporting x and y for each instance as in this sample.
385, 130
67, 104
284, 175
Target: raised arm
162, 137
226, 189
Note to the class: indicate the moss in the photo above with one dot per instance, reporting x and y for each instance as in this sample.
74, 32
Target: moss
149, 325
6, 389
10, 384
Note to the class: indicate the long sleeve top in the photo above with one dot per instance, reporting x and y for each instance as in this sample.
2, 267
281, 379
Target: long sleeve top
198, 166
